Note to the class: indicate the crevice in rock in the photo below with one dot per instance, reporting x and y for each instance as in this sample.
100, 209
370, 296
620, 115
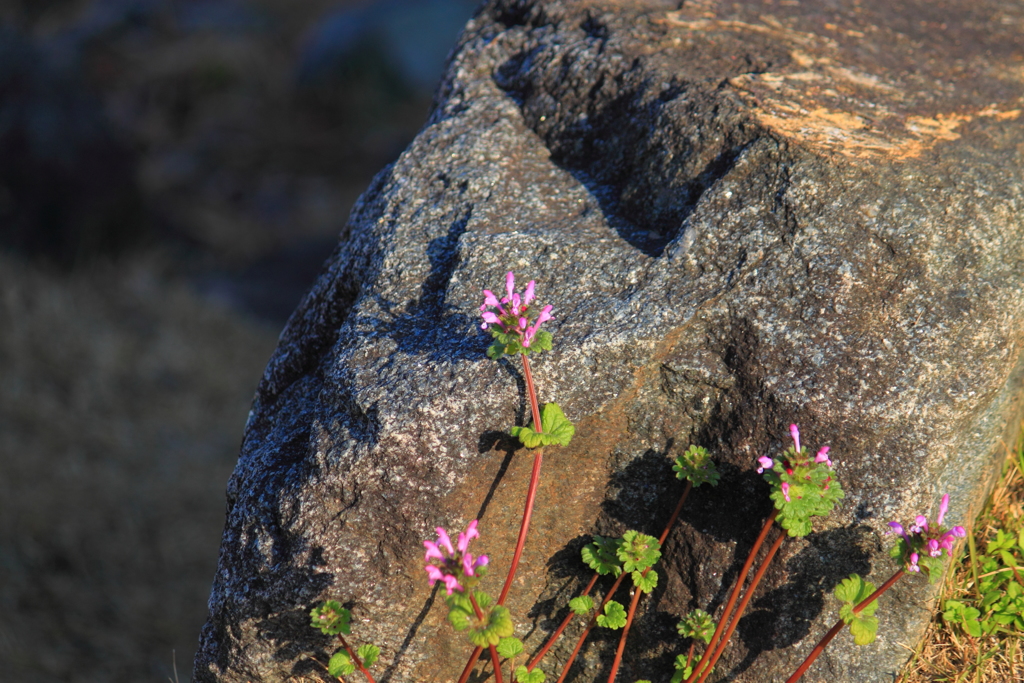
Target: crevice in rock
612, 129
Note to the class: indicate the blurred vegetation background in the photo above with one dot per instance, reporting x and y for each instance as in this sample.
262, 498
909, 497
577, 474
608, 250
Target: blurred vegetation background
172, 175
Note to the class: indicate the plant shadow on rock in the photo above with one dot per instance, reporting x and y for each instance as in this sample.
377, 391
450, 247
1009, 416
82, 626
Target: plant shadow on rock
782, 617
428, 325
567, 574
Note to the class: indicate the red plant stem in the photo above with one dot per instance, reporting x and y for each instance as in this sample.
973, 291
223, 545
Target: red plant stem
531, 391
524, 527
834, 631
531, 494
675, 513
590, 625
689, 653
470, 664
743, 605
356, 659
558, 632
625, 631
637, 592
733, 596
615, 586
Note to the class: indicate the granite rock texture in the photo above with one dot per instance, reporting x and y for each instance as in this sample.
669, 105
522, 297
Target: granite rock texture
745, 216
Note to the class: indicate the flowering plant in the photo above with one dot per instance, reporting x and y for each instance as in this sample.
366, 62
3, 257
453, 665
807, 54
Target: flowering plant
455, 564
921, 545
510, 321
803, 486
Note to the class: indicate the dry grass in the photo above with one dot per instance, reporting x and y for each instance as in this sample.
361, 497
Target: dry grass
949, 654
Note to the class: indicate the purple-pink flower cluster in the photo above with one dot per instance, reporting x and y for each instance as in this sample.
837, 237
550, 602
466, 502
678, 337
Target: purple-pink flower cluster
922, 537
454, 563
511, 313
767, 463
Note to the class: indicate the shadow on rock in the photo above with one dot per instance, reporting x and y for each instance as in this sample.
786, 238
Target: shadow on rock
783, 616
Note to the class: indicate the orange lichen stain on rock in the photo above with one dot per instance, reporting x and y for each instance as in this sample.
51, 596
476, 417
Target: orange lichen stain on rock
836, 107
854, 136
769, 26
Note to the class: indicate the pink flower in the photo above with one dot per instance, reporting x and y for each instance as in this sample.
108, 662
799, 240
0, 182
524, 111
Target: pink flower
765, 463
823, 456
898, 528
795, 432
512, 314
926, 537
433, 552
466, 536
785, 491
444, 540
453, 563
490, 300
913, 566
943, 507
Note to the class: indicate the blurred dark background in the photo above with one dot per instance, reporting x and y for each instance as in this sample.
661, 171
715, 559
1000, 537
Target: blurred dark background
172, 175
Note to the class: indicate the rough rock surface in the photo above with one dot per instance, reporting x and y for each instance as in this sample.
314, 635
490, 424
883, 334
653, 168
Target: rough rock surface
745, 216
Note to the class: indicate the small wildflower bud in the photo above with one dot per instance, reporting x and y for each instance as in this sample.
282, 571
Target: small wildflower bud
943, 507
785, 491
823, 456
795, 433
444, 541
529, 295
897, 528
959, 532
452, 584
510, 284
432, 551
466, 536
766, 464
490, 300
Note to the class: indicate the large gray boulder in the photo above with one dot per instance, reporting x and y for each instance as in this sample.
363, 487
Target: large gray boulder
745, 216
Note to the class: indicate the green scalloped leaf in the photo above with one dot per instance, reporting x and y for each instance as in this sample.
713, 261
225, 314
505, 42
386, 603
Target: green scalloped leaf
331, 618
645, 582
614, 616
510, 647
581, 605
698, 624
696, 466
341, 664
558, 430
524, 676
499, 625
368, 654
638, 551
602, 555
